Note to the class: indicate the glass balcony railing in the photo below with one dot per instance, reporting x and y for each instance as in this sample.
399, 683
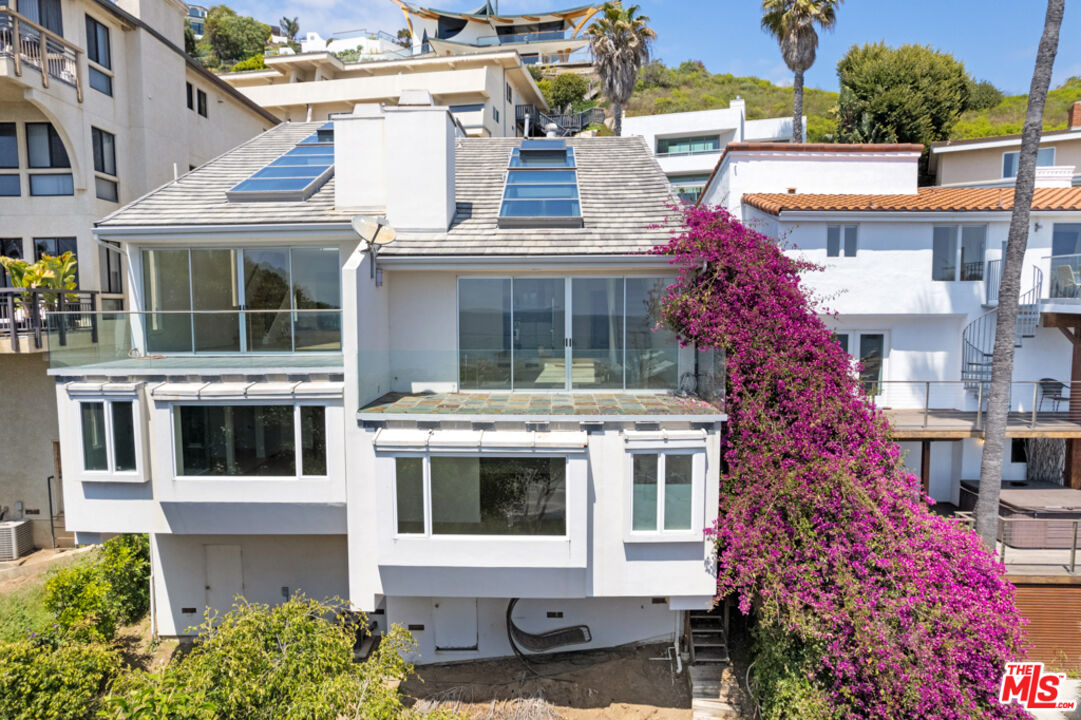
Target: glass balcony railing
1065, 277
77, 339
526, 37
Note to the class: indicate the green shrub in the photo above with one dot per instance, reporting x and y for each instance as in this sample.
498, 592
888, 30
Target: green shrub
125, 565
42, 680
22, 611
255, 62
79, 597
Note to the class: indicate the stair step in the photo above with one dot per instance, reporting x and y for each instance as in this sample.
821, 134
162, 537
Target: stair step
711, 655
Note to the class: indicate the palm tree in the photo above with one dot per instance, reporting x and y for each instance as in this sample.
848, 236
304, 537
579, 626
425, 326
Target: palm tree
792, 23
998, 403
619, 39
290, 29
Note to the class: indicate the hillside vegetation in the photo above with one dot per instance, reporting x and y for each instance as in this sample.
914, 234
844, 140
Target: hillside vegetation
690, 87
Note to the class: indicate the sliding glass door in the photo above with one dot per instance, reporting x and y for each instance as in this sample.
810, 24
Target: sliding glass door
564, 333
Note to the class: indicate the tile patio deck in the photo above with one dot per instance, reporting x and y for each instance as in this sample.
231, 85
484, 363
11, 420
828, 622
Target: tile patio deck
542, 405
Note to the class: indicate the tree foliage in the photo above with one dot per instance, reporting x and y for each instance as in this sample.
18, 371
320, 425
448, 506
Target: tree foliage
1007, 116
982, 95
53, 272
565, 91
619, 38
49, 678
907, 94
229, 38
866, 604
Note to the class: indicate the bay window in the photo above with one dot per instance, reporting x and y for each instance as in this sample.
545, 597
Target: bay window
271, 299
108, 436
487, 495
250, 440
564, 333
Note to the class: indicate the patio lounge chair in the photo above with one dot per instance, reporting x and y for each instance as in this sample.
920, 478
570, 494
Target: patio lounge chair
1067, 281
1053, 391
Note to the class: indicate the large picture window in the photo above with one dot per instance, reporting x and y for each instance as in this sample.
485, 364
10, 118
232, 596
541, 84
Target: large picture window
264, 300
662, 492
250, 440
564, 333
518, 496
688, 145
952, 260
108, 435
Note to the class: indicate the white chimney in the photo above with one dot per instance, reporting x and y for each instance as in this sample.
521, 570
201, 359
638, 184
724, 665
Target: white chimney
1054, 176
397, 162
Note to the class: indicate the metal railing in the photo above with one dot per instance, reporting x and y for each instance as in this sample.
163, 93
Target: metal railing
581, 55
1065, 277
978, 337
28, 43
26, 314
566, 123
1034, 541
526, 37
942, 401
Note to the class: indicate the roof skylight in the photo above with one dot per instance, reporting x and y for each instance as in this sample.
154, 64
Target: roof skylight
542, 187
293, 176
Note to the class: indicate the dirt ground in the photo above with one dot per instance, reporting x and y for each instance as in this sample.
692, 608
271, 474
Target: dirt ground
625, 683
141, 650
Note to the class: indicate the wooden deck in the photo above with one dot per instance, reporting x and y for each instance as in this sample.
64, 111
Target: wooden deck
958, 425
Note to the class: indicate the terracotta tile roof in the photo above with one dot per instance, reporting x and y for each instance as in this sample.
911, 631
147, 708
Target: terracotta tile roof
931, 199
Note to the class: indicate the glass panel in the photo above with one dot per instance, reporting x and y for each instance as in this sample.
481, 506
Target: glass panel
540, 208
682, 145
528, 177
833, 240
44, 147
842, 339
313, 440
1009, 164
273, 185
214, 287
410, 505
124, 436
678, 473
944, 254
95, 456
1066, 239
104, 151
291, 171
525, 192
972, 246
242, 440
644, 495
166, 287
106, 189
266, 287
9, 186
652, 352
316, 278
543, 158
850, 240
52, 185
484, 334
100, 81
872, 350
317, 331
498, 496
9, 147
597, 329
539, 335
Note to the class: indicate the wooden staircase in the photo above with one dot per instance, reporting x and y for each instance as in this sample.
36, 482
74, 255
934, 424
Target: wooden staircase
715, 690
708, 636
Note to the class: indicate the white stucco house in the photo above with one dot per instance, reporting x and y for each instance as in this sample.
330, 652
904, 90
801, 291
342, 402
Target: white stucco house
689, 144
473, 431
910, 276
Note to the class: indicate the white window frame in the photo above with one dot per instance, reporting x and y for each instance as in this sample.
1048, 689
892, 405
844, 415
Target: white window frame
111, 473
842, 247
426, 470
854, 342
1018, 154
958, 251
298, 457
698, 486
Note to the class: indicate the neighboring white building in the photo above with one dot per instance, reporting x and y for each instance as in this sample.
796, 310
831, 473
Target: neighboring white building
119, 110
912, 274
478, 422
689, 144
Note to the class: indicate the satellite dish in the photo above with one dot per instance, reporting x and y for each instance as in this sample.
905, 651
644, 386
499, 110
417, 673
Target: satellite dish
373, 230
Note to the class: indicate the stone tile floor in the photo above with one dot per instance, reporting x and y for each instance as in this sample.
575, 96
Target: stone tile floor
506, 403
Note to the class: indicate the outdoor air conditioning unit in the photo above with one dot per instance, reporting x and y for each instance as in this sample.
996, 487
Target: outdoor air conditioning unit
16, 539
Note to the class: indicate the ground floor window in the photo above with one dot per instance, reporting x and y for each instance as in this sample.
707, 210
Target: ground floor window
108, 435
662, 493
250, 440
485, 495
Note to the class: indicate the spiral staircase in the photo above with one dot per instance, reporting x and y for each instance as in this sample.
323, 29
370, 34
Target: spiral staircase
978, 337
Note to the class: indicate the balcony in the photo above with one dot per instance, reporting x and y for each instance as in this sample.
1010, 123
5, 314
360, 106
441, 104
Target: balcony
30, 318
1065, 277
31, 45
527, 37
533, 122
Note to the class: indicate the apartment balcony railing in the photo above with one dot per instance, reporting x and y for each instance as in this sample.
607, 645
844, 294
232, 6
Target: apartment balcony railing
30, 44
528, 37
1065, 277
1034, 542
27, 316
951, 404
534, 122
581, 55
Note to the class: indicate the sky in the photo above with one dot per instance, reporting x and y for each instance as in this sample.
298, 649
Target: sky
996, 39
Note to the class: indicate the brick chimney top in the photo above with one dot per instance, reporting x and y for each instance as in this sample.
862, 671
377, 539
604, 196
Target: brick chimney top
1073, 118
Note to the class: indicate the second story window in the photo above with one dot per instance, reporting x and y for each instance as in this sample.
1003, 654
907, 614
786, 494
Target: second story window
201, 102
11, 247
46, 13
957, 252
689, 187
841, 237
1045, 157
191, 96
662, 491
45, 150
9, 159
510, 95
495, 113
57, 246
108, 436
98, 52
688, 145
104, 164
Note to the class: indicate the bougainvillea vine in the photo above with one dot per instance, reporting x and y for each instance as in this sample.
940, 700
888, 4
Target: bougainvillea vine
866, 604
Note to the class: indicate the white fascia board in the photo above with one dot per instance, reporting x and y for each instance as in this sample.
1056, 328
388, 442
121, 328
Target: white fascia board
213, 233
503, 418
961, 217
1008, 142
465, 262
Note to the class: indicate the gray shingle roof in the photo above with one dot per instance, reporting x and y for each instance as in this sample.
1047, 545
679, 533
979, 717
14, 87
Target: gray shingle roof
626, 199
